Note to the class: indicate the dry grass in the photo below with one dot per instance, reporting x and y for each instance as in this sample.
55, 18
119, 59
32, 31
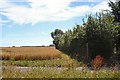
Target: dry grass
30, 53
12, 72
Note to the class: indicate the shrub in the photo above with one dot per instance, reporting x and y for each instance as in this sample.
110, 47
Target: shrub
97, 62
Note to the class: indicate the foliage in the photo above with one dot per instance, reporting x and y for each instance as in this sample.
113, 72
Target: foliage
100, 35
39, 72
98, 32
115, 10
115, 7
97, 62
96, 36
56, 35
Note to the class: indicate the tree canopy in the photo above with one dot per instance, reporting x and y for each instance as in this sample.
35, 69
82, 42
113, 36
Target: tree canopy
115, 10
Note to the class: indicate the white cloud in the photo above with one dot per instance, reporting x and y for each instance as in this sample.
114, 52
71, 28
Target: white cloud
95, 0
4, 21
47, 10
90, 0
4, 4
101, 6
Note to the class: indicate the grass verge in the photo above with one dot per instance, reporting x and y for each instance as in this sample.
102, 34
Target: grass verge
57, 73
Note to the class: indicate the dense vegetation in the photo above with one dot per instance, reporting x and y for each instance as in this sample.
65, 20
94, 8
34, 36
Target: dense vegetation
115, 7
97, 35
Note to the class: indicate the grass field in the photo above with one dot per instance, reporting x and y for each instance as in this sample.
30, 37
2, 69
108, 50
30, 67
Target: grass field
30, 53
36, 56
46, 62
11, 72
64, 61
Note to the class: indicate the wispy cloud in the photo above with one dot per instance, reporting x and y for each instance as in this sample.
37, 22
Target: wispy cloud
3, 21
47, 10
94, 0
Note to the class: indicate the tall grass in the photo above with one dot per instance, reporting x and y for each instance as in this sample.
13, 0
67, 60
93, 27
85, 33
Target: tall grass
30, 53
64, 61
11, 72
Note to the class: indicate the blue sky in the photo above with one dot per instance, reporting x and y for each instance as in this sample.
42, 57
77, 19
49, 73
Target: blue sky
30, 22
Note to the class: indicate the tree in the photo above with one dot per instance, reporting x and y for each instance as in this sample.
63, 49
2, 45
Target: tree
99, 34
115, 7
78, 42
56, 35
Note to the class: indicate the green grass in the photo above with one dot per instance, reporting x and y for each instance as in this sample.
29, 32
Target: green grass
43, 63
63, 67
10, 72
65, 61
